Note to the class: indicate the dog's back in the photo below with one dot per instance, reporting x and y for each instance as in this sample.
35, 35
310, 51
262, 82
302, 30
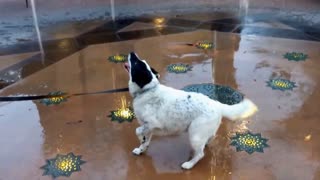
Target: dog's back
172, 110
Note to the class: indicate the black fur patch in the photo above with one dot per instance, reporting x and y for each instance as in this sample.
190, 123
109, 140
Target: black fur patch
139, 71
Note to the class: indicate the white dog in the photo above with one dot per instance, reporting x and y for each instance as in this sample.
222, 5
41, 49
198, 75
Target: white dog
161, 110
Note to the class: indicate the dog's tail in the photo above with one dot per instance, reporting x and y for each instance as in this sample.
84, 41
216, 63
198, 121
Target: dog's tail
242, 110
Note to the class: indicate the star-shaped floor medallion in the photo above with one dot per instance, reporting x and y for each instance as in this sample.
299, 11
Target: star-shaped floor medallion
179, 68
295, 56
281, 84
62, 165
249, 142
121, 58
60, 97
204, 45
122, 114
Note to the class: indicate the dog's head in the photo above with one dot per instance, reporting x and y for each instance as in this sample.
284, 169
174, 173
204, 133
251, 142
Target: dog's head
142, 76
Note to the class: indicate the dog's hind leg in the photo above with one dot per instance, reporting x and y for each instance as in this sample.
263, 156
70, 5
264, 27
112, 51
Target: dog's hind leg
144, 135
200, 131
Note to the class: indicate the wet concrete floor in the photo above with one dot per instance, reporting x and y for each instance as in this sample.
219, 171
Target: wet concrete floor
32, 132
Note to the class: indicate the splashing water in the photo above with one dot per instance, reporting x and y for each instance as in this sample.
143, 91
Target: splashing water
36, 24
215, 42
113, 15
243, 9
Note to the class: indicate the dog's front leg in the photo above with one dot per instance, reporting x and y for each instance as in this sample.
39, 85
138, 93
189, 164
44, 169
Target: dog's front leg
144, 135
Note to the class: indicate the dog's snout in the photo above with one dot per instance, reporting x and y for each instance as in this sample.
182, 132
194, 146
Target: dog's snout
133, 57
132, 54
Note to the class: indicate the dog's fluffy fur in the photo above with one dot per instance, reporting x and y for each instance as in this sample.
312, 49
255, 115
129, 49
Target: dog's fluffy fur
161, 110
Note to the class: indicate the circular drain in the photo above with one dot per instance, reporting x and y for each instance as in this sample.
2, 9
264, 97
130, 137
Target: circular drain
223, 94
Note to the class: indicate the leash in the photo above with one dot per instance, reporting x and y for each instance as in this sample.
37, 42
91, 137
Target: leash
27, 98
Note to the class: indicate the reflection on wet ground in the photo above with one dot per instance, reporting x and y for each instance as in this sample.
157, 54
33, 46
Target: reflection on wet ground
32, 132
70, 37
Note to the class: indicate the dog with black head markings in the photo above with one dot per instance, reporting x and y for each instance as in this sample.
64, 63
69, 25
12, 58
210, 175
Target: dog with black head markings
162, 110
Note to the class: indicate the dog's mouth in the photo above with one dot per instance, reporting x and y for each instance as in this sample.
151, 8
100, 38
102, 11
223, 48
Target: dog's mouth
127, 67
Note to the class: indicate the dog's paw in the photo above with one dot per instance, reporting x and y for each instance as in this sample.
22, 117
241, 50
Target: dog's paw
137, 151
187, 165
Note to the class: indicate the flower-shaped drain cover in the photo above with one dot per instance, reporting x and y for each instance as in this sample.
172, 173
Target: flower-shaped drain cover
281, 84
62, 165
204, 45
179, 68
122, 114
295, 56
249, 142
121, 58
59, 98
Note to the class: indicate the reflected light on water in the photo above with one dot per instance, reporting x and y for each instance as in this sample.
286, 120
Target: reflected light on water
159, 22
242, 127
123, 102
308, 137
63, 44
124, 113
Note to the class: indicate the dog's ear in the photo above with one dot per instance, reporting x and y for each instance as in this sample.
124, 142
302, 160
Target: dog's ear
155, 73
